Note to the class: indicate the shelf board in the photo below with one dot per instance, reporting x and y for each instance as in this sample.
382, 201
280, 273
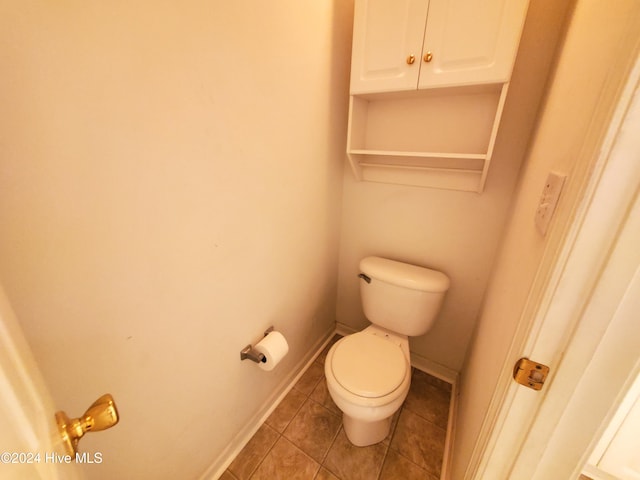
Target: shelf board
394, 153
443, 178
441, 138
457, 162
420, 167
469, 89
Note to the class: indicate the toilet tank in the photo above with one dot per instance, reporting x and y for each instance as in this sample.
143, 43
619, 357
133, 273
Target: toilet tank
401, 297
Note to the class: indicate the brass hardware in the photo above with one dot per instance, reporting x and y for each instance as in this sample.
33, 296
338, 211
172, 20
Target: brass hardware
411, 59
102, 414
428, 57
530, 374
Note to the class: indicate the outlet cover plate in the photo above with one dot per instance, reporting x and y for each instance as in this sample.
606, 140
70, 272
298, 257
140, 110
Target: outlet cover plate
549, 200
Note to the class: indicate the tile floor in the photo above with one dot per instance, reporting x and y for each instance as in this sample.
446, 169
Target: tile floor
304, 439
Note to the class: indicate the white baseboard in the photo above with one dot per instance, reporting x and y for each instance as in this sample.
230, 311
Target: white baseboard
345, 330
219, 466
451, 428
223, 461
434, 368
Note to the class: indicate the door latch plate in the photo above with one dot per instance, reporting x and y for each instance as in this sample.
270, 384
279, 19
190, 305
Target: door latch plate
530, 374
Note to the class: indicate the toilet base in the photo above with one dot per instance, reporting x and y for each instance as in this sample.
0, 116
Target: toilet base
362, 433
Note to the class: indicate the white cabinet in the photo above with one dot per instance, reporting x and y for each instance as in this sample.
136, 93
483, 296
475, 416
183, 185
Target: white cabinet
385, 35
410, 44
471, 41
428, 82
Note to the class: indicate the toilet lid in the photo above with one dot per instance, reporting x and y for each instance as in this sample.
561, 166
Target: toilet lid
368, 366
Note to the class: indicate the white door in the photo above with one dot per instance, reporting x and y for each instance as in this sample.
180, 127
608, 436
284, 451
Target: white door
470, 41
386, 34
30, 446
591, 340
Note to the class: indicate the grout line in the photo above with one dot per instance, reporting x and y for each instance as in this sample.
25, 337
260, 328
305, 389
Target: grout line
333, 441
327, 454
304, 453
388, 446
310, 399
294, 415
266, 454
400, 453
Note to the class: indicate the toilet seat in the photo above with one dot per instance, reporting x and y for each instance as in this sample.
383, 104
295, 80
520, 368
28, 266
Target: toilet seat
368, 366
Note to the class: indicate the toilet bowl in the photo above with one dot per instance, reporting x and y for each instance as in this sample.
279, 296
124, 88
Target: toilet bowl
368, 373
368, 377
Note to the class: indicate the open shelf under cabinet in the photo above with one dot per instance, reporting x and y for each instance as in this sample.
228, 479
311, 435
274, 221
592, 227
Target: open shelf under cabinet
438, 138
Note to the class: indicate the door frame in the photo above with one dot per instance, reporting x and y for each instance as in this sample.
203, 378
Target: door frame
580, 323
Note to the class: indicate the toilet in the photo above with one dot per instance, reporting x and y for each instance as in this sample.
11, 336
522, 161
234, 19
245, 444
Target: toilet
369, 373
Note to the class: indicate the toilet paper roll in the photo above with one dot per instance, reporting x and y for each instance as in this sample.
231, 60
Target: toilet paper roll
274, 347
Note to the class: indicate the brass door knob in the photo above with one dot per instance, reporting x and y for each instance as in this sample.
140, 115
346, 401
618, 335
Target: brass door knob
411, 59
428, 57
102, 414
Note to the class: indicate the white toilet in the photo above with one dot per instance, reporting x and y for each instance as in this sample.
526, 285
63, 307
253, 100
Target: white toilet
368, 373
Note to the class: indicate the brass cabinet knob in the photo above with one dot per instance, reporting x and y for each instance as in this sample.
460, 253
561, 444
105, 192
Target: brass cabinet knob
411, 59
428, 57
102, 414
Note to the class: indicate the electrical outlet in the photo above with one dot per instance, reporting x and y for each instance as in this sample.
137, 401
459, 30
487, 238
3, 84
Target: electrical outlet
549, 200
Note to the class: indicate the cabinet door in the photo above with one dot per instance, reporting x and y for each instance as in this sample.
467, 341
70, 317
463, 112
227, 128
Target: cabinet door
471, 41
385, 34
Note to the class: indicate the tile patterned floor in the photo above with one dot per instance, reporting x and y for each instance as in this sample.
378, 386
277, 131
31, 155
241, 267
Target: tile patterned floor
304, 439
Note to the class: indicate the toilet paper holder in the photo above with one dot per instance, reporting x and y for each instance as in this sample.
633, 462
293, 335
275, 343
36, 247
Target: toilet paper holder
249, 353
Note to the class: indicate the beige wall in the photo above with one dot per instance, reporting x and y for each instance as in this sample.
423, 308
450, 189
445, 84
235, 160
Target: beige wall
171, 178
601, 43
456, 232
171, 182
